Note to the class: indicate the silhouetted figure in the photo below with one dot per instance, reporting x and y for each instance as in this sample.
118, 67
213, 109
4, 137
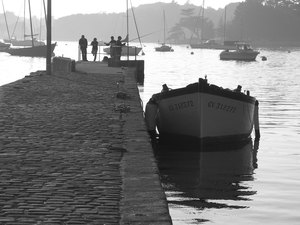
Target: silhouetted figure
83, 45
94, 43
112, 44
165, 88
118, 47
238, 89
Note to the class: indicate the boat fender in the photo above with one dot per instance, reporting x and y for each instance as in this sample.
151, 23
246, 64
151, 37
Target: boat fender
256, 121
151, 115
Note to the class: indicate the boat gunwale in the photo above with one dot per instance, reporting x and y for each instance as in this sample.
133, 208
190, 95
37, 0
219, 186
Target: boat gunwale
204, 87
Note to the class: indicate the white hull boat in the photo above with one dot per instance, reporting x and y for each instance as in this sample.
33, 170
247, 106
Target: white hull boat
133, 51
202, 111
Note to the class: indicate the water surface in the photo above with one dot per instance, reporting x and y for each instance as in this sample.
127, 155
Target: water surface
256, 183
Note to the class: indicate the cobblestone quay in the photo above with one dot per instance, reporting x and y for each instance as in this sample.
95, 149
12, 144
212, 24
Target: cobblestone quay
73, 151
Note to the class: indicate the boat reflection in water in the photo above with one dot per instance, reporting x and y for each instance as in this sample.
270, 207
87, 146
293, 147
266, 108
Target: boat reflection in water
207, 179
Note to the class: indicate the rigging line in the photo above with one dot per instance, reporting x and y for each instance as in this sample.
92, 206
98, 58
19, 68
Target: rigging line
143, 36
6, 21
137, 31
196, 22
15, 27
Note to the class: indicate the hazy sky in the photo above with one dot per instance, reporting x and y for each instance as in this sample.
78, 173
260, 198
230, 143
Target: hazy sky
67, 7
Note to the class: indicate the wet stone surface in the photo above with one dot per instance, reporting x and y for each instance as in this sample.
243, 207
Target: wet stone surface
60, 151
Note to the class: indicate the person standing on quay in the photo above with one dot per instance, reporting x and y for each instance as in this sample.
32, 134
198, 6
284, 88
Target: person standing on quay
94, 43
83, 46
112, 45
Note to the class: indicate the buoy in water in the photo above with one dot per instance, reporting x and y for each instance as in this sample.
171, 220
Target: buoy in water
192, 53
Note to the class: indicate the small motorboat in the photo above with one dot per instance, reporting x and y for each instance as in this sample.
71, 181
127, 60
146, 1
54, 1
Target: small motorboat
243, 52
164, 48
204, 112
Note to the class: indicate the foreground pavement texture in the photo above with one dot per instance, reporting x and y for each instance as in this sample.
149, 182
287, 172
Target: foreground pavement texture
74, 150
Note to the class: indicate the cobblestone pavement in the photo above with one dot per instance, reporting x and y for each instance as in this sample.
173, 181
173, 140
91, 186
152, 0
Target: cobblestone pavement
61, 150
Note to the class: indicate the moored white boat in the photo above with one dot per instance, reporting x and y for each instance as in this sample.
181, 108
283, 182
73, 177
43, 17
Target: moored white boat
243, 52
203, 111
133, 50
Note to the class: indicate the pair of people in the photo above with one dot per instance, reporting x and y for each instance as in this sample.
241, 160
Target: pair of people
83, 43
116, 47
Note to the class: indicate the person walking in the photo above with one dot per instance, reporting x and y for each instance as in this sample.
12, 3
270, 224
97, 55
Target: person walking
83, 46
94, 43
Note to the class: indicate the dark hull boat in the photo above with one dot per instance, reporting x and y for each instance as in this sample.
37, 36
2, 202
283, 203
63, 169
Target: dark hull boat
204, 112
35, 51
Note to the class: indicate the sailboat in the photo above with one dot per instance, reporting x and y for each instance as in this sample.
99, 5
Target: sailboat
212, 44
164, 47
33, 50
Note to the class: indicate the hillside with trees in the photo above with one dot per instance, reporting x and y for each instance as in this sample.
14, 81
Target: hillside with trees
263, 22
267, 22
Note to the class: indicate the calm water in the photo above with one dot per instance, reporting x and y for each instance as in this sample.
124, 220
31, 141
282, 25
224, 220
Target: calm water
255, 183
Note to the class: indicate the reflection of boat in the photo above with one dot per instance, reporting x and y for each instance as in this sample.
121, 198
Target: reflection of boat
242, 52
200, 178
164, 47
133, 51
202, 111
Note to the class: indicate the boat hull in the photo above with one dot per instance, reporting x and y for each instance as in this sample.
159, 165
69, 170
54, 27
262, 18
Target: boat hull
209, 114
212, 46
133, 51
36, 51
239, 55
24, 42
164, 48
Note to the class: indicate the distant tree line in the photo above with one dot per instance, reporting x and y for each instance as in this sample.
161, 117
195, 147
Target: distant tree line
254, 20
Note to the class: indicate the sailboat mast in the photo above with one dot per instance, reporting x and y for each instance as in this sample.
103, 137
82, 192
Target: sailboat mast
6, 22
127, 17
24, 24
202, 25
45, 14
31, 30
164, 26
224, 34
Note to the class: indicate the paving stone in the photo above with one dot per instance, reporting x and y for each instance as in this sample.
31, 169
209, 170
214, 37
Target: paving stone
66, 155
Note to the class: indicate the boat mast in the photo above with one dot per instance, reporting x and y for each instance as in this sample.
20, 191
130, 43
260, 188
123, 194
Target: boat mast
6, 22
202, 25
127, 18
224, 34
49, 34
24, 24
31, 30
164, 27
